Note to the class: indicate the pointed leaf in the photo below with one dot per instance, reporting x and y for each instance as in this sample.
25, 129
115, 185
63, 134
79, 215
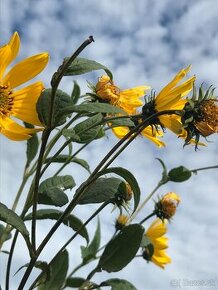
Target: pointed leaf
130, 179
82, 65
118, 284
121, 249
75, 93
62, 158
101, 190
89, 252
10, 217
71, 221
32, 146
3, 235
62, 182
59, 267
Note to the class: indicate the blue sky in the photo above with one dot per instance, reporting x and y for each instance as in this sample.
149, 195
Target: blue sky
143, 43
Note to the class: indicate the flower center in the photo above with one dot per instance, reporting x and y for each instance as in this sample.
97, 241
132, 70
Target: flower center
209, 111
6, 101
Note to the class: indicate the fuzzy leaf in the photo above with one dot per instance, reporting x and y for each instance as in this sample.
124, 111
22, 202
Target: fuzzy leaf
103, 189
32, 146
75, 282
82, 65
75, 93
121, 249
62, 101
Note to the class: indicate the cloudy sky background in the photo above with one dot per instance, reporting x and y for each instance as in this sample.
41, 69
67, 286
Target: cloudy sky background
142, 42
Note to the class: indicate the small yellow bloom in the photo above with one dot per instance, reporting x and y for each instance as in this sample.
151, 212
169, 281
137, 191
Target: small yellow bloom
21, 103
166, 207
156, 235
121, 221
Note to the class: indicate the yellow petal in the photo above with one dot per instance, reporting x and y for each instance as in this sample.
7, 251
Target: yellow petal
152, 136
179, 76
8, 53
24, 107
26, 70
172, 123
157, 229
15, 131
120, 132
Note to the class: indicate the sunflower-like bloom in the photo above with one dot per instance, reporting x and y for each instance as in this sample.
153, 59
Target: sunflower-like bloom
129, 101
21, 103
158, 243
166, 207
170, 98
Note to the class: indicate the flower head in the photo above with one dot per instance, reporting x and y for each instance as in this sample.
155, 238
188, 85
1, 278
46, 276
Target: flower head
201, 116
128, 100
20, 103
169, 98
166, 207
157, 243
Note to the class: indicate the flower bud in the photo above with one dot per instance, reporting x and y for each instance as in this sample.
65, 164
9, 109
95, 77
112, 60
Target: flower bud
165, 208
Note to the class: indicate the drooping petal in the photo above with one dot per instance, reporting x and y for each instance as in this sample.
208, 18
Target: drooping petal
153, 135
14, 131
157, 229
120, 132
172, 123
26, 70
8, 53
24, 107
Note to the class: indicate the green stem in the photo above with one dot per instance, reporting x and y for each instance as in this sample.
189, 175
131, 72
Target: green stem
145, 201
83, 187
147, 217
204, 168
71, 239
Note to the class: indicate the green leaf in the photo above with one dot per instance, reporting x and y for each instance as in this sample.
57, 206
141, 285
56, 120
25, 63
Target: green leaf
70, 221
82, 65
75, 282
51, 190
88, 129
93, 108
89, 252
179, 174
3, 235
32, 146
62, 158
126, 122
62, 101
120, 251
101, 190
59, 267
75, 93
118, 284
130, 179
10, 217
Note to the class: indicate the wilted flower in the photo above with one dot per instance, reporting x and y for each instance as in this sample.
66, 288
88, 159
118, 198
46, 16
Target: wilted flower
201, 116
166, 207
20, 104
157, 243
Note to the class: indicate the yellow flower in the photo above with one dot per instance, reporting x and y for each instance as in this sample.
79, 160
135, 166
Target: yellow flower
21, 103
121, 221
128, 100
156, 235
166, 207
170, 98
